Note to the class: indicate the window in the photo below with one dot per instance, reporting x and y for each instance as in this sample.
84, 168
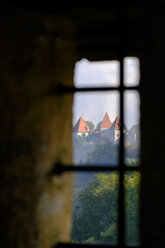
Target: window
121, 168
84, 181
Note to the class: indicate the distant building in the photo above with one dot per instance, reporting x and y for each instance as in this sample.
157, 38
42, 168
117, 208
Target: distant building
111, 130
106, 123
81, 128
115, 130
105, 126
134, 134
108, 130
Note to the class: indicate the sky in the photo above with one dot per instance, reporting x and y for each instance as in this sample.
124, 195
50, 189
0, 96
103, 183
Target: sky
93, 106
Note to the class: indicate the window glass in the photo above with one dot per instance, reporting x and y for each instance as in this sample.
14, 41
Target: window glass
95, 131
131, 71
96, 74
95, 212
132, 127
132, 207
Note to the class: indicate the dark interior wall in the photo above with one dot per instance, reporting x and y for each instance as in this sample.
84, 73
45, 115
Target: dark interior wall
153, 123
37, 53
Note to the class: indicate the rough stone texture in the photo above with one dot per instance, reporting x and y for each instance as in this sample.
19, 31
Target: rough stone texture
37, 54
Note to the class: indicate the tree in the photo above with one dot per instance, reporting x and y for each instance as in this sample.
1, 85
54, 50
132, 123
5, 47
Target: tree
110, 234
132, 192
133, 151
96, 221
99, 208
90, 125
104, 154
79, 140
83, 136
98, 125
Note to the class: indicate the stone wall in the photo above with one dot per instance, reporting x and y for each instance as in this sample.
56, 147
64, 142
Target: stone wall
37, 54
153, 118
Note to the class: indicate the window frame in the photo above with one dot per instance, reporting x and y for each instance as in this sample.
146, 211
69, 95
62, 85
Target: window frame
122, 168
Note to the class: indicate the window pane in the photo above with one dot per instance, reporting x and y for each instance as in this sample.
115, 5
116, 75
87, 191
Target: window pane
131, 71
132, 207
132, 123
95, 198
96, 74
95, 140
106, 73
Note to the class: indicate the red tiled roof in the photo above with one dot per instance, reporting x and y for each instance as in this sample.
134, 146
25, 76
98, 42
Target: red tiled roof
106, 123
81, 127
116, 124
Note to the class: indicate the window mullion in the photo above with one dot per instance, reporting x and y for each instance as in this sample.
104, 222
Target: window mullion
121, 217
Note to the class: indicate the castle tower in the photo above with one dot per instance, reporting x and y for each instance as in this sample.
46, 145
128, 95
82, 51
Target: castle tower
81, 127
106, 123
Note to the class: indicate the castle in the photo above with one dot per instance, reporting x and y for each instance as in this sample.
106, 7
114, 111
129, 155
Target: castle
106, 129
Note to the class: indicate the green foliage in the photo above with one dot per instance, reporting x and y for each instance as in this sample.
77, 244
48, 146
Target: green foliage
95, 197
98, 125
79, 140
132, 187
96, 220
90, 125
104, 153
110, 234
131, 161
91, 240
99, 207
133, 151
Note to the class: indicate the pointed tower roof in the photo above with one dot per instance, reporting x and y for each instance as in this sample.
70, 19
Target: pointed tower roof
81, 127
106, 123
116, 124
